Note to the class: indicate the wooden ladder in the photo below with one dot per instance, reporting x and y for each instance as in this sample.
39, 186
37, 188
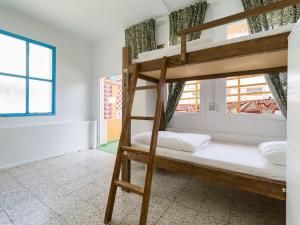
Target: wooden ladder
116, 182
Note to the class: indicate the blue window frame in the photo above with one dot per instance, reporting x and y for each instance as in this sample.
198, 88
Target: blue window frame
27, 77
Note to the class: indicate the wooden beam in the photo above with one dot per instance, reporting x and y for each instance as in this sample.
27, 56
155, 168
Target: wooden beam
243, 15
147, 87
250, 47
142, 117
250, 183
147, 78
126, 62
234, 74
183, 49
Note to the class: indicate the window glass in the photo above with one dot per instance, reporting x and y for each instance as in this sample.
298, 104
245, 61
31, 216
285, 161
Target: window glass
27, 76
190, 98
40, 96
12, 95
12, 55
40, 62
250, 94
237, 29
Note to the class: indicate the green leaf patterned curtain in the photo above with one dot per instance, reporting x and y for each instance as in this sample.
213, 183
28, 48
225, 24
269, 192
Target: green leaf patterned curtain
179, 20
277, 82
141, 37
174, 93
185, 18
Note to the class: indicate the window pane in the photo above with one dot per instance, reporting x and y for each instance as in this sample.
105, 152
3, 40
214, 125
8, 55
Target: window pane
253, 80
251, 96
12, 95
232, 91
40, 96
40, 62
190, 98
12, 55
190, 94
237, 29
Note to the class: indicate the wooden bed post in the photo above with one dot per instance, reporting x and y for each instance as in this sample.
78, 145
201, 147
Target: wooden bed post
183, 48
126, 63
162, 126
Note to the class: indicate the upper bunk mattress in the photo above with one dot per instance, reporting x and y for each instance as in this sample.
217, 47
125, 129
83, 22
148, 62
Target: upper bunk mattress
239, 158
200, 44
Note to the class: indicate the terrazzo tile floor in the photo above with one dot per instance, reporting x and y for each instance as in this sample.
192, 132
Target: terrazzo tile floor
72, 189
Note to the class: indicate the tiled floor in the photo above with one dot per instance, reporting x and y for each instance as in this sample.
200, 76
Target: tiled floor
72, 189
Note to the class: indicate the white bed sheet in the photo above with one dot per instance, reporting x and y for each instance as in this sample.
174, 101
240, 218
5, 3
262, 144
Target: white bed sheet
200, 44
229, 156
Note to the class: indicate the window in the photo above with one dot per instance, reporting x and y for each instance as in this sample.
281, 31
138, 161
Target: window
190, 98
27, 76
237, 29
250, 94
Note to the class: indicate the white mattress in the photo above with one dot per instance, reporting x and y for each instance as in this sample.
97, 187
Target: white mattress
206, 43
233, 157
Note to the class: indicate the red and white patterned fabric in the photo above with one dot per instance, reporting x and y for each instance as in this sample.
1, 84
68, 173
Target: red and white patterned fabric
107, 105
267, 106
119, 104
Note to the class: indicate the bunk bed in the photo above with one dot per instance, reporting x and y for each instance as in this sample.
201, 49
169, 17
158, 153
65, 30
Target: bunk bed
265, 52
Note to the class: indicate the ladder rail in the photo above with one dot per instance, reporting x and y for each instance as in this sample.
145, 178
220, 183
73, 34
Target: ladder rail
153, 144
145, 192
118, 162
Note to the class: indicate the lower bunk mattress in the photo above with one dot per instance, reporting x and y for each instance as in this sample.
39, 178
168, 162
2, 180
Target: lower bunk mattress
245, 159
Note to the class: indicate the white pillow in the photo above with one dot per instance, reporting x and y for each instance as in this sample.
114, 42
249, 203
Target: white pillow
188, 142
274, 151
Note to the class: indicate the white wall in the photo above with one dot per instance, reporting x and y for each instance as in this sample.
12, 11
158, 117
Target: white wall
254, 129
293, 161
73, 97
107, 58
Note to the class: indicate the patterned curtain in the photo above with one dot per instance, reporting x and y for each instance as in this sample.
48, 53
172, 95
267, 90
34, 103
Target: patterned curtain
141, 37
185, 18
174, 93
179, 20
277, 82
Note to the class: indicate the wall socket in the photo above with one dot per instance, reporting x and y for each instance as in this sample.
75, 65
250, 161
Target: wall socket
212, 106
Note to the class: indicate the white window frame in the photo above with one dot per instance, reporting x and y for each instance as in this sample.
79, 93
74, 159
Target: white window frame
253, 116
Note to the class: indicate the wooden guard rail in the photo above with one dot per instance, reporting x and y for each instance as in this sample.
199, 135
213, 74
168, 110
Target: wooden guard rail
236, 17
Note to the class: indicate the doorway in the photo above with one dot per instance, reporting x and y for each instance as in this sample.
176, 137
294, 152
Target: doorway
110, 112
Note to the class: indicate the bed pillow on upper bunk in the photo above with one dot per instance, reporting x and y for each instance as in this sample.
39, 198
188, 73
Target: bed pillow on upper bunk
274, 151
188, 142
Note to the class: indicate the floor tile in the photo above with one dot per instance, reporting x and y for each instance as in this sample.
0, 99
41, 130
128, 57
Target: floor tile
180, 214
73, 189
157, 208
4, 219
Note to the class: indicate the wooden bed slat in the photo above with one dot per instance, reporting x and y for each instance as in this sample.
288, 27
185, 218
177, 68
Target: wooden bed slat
261, 53
258, 185
233, 74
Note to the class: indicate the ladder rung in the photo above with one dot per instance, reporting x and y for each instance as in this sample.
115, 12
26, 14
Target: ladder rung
130, 187
142, 118
134, 150
146, 87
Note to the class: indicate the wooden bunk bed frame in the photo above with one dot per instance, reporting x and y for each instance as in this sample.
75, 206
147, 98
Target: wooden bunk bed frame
269, 47
255, 56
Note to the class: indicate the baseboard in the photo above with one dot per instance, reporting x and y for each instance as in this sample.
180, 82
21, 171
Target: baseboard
36, 160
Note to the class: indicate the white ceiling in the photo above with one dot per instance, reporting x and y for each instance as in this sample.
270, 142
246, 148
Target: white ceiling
95, 19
